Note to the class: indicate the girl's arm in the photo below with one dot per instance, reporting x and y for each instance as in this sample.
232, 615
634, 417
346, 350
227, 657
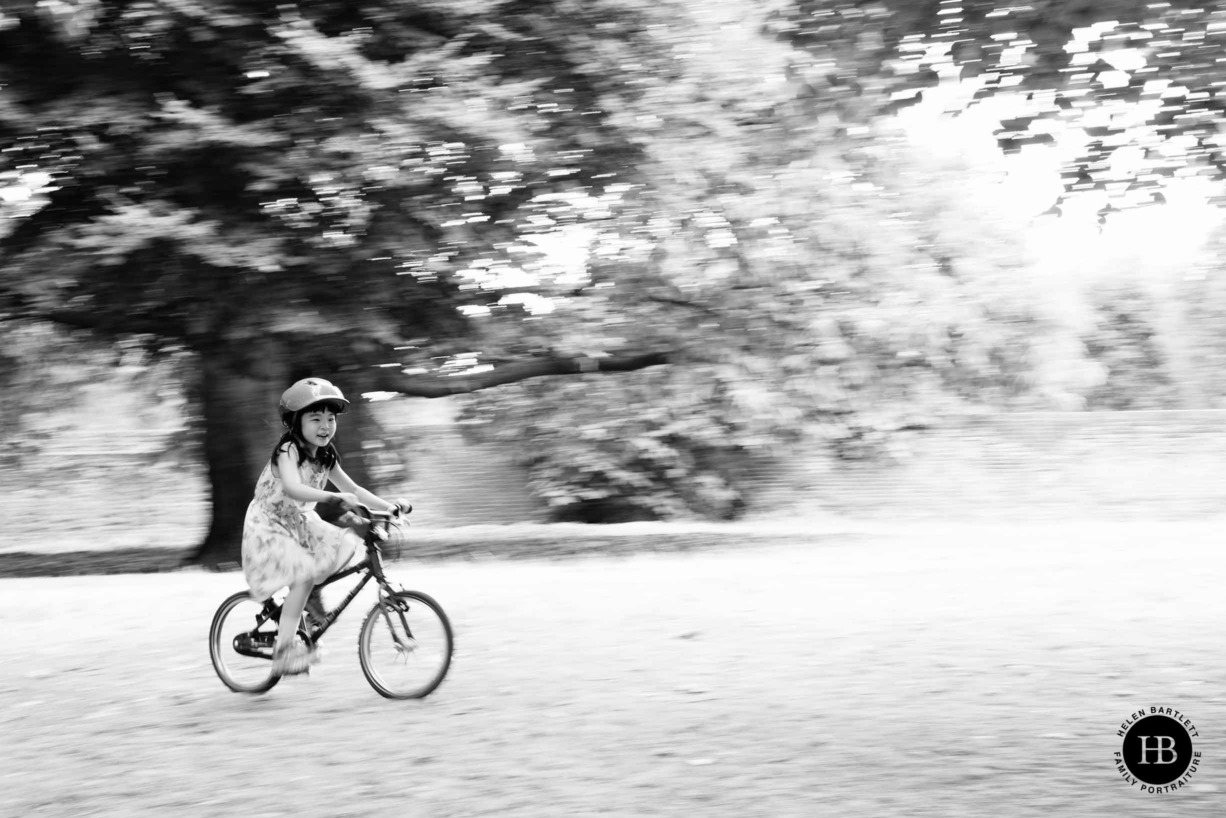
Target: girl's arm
292, 483
345, 483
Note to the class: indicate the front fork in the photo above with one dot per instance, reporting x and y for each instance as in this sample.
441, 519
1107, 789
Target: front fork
390, 602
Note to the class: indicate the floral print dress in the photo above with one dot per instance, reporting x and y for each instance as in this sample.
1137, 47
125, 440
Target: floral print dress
285, 541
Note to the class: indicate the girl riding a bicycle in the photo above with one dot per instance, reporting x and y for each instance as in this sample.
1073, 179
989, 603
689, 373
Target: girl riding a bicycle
285, 541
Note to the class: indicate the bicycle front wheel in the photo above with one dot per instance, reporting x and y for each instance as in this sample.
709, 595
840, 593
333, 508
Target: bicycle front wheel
405, 645
240, 644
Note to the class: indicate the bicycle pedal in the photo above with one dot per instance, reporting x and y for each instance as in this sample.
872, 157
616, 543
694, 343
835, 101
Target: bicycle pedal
258, 646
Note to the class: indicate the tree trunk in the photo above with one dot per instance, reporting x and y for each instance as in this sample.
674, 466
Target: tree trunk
240, 426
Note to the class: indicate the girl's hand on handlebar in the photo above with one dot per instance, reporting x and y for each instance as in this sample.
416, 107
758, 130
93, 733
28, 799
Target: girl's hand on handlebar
348, 500
401, 507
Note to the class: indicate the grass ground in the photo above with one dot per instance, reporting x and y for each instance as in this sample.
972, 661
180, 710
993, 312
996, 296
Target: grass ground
929, 670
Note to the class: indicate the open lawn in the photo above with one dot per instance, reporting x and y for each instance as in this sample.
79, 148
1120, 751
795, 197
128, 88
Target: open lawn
964, 670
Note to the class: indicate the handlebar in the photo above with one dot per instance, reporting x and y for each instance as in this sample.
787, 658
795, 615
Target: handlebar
386, 516
374, 527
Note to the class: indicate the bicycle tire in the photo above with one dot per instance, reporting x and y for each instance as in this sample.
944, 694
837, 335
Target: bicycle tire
240, 673
392, 666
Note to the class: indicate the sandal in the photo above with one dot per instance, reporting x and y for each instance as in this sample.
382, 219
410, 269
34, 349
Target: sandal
291, 660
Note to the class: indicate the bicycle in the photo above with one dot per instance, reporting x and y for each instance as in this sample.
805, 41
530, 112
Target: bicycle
406, 659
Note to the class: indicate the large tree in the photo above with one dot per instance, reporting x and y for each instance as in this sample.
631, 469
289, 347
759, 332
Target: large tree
284, 190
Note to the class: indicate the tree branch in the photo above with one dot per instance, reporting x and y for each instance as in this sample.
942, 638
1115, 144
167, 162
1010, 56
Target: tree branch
392, 379
100, 323
681, 302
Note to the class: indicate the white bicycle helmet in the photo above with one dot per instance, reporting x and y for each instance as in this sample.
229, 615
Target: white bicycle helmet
310, 391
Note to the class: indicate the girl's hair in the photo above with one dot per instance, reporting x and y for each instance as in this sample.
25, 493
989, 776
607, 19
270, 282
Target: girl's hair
326, 456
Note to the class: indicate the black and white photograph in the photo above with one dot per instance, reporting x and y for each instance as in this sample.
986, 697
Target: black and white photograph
567, 408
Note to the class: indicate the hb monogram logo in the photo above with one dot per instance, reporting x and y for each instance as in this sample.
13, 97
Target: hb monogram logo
1166, 752
1157, 752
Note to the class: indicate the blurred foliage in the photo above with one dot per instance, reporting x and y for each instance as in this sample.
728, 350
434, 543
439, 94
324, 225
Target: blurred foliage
1136, 82
196, 190
448, 189
838, 283
674, 445
43, 368
61, 387
1125, 344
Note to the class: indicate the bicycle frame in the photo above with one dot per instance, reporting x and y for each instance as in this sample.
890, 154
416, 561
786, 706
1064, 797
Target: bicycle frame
371, 567
333, 614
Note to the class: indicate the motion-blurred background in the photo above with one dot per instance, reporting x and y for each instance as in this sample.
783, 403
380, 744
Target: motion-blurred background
613, 260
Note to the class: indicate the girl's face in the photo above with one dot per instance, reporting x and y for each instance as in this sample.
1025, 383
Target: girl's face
318, 427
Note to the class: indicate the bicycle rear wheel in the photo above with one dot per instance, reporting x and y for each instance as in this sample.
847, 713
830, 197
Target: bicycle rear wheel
240, 644
405, 645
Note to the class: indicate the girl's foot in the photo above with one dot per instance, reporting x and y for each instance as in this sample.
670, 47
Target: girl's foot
291, 660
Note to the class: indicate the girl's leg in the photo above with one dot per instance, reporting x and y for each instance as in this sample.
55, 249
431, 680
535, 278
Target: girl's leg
316, 610
287, 659
291, 611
